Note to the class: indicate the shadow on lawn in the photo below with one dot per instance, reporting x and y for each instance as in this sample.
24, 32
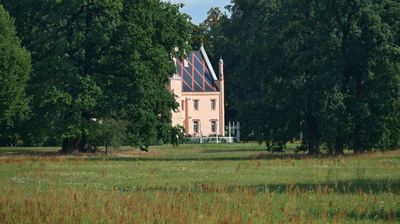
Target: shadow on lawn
213, 157
368, 186
348, 186
376, 215
30, 152
233, 150
207, 155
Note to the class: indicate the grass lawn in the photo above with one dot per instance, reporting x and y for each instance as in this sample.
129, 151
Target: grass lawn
238, 183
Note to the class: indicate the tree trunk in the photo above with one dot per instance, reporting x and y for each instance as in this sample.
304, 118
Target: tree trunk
358, 139
68, 145
89, 46
345, 27
83, 144
339, 146
331, 150
312, 135
358, 117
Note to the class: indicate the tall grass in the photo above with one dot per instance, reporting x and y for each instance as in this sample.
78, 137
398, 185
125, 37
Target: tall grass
198, 184
242, 206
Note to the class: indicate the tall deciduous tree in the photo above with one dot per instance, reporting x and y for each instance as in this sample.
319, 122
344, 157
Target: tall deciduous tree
328, 69
15, 68
368, 66
68, 41
100, 58
141, 53
209, 33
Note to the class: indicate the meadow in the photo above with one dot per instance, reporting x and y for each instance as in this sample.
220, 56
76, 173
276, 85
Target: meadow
238, 183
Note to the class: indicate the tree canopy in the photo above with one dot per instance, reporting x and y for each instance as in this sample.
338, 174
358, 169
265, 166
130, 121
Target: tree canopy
15, 67
325, 70
99, 59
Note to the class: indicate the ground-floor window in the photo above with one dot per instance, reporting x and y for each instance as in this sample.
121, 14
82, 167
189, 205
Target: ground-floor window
213, 125
196, 125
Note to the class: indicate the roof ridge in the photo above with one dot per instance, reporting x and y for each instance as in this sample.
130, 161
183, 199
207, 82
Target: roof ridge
204, 53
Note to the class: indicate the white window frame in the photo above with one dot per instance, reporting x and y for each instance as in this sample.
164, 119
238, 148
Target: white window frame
213, 101
215, 123
196, 104
194, 126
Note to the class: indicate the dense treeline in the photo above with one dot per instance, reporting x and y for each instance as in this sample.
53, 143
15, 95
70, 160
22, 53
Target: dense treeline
15, 67
97, 63
328, 71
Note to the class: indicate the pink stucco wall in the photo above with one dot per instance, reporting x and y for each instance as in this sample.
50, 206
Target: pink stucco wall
187, 114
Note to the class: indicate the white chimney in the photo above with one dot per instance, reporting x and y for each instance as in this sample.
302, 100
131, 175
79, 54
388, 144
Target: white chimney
186, 63
221, 68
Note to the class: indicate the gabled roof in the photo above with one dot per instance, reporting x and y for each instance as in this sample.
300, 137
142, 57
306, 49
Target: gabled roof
198, 75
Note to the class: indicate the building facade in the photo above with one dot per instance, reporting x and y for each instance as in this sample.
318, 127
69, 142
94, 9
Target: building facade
200, 94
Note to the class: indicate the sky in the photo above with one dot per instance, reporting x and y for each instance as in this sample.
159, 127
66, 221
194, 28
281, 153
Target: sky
198, 9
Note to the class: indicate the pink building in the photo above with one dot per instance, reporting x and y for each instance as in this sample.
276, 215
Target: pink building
200, 94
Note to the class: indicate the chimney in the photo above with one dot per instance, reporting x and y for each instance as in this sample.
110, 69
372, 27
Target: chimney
221, 69
221, 86
185, 61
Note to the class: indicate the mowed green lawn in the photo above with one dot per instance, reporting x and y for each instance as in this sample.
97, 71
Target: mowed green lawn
238, 183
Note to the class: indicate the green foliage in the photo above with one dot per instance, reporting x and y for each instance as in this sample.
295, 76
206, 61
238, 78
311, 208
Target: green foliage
15, 67
142, 48
109, 132
326, 69
68, 41
177, 135
209, 32
96, 59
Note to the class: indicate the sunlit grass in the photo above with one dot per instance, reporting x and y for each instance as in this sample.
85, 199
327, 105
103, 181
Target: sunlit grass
197, 184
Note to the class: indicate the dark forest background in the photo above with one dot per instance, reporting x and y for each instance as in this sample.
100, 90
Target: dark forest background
93, 72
